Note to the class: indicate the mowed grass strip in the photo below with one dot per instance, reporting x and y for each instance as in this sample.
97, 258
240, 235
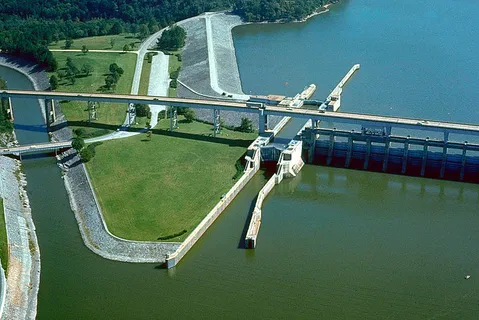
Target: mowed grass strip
3, 238
145, 78
101, 42
109, 114
149, 189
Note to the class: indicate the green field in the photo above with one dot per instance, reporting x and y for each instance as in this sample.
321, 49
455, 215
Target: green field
3, 238
101, 42
110, 115
148, 189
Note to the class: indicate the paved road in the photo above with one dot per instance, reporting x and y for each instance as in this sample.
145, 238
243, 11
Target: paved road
339, 117
93, 50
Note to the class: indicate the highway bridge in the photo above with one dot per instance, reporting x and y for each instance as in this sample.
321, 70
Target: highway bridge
321, 142
261, 110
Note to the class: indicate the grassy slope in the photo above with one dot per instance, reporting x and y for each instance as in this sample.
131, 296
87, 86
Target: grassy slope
3, 238
108, 114
101, 42
149, 189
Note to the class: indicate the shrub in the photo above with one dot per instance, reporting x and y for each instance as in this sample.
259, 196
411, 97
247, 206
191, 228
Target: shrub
142, 110
87, 154
189, 115
246, 125
173, 83
78, 143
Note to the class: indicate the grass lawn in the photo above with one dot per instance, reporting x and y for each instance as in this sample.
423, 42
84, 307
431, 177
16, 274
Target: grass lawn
3, 238
110, 115
101, 42
148, 189
173, 65
145, 77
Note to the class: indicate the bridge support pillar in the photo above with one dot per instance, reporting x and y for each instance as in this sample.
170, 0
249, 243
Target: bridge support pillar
92, 111
444, 155
424, 157
216, 122
7, 104
332, 138
386, 154
263, 121
50, 112
350, 149
463, 161
368, 154
405, 155
173, 118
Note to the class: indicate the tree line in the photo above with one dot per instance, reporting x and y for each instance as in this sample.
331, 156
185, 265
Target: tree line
276, 10
28, 27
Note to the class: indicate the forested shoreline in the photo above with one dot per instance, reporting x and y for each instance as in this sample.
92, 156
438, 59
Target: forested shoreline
28, 27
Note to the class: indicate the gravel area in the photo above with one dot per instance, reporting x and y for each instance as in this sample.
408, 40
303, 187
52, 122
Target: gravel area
24, 260
220, 42
195, 73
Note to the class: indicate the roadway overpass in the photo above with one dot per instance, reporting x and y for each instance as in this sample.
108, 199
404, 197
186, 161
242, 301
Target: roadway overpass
263, 111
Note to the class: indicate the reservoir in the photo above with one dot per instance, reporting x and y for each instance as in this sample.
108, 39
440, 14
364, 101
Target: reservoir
334, 243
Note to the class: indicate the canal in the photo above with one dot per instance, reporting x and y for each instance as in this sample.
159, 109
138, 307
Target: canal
334, 243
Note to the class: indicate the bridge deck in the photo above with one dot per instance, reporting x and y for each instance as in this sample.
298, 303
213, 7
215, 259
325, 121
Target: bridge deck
351, 118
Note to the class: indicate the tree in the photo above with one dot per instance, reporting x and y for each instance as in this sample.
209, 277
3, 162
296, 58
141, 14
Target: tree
53, 82
87, 69
117, 28
78, 143
110, 81
68, 43
246, 125
86, 154
148, 134
142, 110
114, 68
172, 39
84, 49
126, 48
3, 84
112, 42
144, 31
189, 115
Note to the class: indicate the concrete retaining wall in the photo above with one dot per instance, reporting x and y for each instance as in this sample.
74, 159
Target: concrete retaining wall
173, 259
255, 223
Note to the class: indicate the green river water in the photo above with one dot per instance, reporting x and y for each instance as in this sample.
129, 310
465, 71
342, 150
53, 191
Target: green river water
334, 243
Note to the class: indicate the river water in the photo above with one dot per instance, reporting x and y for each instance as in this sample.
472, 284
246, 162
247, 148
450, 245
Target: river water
334, 243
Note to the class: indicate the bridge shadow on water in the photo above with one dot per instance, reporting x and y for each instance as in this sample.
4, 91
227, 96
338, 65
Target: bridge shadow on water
35, 128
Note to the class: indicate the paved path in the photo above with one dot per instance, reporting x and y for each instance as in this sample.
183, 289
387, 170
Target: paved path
159, 83
93, 50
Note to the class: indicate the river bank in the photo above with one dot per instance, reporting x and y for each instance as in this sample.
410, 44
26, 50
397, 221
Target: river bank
24, 254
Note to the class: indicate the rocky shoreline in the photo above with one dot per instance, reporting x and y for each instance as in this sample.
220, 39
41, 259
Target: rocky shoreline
24, 259
24, 254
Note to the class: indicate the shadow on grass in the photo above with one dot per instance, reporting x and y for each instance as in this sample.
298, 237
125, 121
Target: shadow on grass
158, 132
